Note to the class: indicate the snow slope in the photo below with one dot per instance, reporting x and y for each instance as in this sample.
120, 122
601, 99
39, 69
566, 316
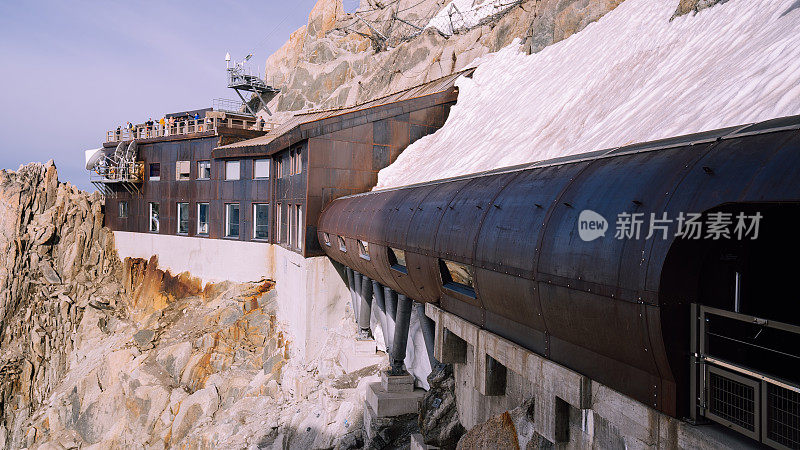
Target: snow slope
460, 15
633, 76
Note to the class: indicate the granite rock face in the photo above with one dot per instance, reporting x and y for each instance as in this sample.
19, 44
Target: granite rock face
694, 6
122, 354
341, 59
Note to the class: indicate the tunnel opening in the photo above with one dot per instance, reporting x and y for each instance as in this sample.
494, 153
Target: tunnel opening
731, 313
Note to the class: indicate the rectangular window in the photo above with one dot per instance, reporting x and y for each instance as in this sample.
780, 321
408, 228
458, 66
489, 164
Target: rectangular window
154, 226
457, 277
123, 210
232, 220
363, 249
397, 260
183, 170
280, 167
202, 219
203, 170
291, 163
279, 222
342, 247
300, 227
232, 170
292, 217
183, 218
154, 172
298, 162
261, 168
261, 221
326, 239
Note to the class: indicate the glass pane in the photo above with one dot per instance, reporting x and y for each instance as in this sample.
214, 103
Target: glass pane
154, 217
155, 170
232, 220
363, 249
261, 221
183, 218
397, 258
459, 273
299, 226
202, 218
342, 247
232, 170
261, 169
204, 170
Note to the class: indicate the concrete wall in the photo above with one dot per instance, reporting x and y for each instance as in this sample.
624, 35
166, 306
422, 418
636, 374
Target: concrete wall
311, 294
551, 405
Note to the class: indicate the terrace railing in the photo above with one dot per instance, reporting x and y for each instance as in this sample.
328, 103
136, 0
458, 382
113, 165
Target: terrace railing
185, 127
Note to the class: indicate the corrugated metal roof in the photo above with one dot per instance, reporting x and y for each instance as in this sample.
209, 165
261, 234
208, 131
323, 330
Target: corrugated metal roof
433, 87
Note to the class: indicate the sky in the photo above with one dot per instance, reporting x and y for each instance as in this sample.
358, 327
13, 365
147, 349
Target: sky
71, 71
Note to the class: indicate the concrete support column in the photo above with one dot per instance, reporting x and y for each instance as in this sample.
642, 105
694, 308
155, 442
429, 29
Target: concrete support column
380, 300
357, 277
351, 285
403, 320
364, 331
428, 332
390, 296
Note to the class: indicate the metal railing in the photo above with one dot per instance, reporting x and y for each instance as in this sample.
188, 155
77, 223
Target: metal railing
185, 127
738, 394
127, 172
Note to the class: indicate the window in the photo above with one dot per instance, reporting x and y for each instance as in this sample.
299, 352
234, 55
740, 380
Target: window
457, 277
203, 170
202, 219
342, 247
397, 260
326, 238
232, 220
299, 222
280, 167
154, 171
363, 249
261, 221
291, 163
298, 162
261, 168
183, 170
123, 210
232, 171
292, 217
279, 222
183, 218
154, 217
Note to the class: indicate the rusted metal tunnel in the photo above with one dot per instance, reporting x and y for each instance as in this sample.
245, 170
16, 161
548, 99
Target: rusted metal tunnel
503, 250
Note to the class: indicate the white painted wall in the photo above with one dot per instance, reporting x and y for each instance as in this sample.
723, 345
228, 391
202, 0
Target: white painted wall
310, 292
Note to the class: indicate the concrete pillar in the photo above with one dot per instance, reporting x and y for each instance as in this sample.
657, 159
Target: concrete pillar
428, 332
390, 296
364, 331
380, 300
351, 284
403, 320
357, 289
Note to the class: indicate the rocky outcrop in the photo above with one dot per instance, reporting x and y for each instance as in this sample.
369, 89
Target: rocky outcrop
438, 418
339, 59
694, 6
58, 262
96, 351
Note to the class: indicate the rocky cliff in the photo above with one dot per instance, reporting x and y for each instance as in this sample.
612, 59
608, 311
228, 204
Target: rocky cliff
342, 59
97, 351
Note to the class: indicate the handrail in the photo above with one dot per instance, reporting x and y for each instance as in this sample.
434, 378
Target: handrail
185, 127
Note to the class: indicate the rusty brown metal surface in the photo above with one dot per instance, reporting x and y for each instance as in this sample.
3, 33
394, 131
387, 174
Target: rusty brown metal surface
593, 306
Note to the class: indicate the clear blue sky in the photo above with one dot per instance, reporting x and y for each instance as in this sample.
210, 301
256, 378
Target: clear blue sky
71, 70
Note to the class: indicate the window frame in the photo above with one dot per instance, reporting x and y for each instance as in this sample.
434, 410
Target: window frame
154, 220
200, 170
255, 222
228, 222
363, 250
279, 223
179, 174
238, 175
394, 261
342, 244
255, 168
208, 219
122, 209
450, 284
150, 167
326, 239
178, 218
299, 232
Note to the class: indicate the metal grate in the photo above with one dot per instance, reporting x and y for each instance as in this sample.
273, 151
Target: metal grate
732, 401
783, 416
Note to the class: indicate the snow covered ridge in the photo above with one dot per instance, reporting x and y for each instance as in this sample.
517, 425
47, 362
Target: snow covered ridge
632, 76
461, 15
